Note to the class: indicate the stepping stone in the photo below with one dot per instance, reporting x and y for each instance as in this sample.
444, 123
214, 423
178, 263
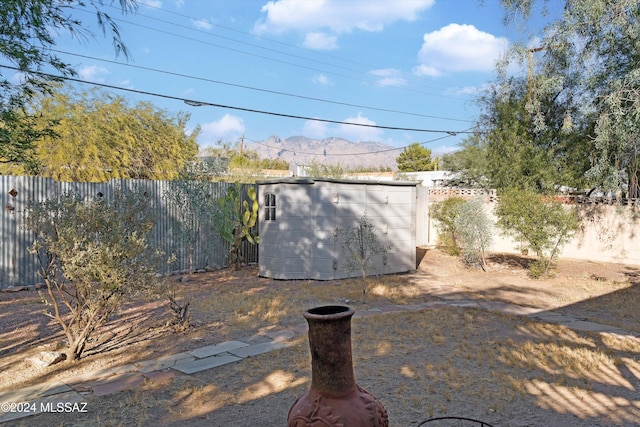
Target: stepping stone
206, 363
254, 350
40, 390
46, 404
125, 382
212, 350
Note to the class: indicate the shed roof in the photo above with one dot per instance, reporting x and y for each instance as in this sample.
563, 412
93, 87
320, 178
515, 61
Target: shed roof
311, 181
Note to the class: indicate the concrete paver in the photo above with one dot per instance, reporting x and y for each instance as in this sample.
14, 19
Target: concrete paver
127, 381
207, 363
212, 350
40, 390
254, 350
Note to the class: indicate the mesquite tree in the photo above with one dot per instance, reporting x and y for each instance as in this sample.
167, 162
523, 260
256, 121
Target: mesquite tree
93, 254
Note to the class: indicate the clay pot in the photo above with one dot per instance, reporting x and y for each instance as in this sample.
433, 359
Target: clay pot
334, 398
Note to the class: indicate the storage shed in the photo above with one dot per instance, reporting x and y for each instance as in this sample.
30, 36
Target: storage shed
302, 220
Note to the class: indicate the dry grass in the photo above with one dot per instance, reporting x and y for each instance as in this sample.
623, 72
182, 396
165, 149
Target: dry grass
503, 369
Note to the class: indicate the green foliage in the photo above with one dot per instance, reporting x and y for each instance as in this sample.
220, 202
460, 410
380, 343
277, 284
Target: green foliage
584, 80
27, 29
235, 219
360, 245
541, 225
416, 158
326, 170
445, 213
18, 133
469, 163
474, 231
251, 160
99, 136
93, 254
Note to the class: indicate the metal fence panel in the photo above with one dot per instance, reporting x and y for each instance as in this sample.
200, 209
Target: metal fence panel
18, 266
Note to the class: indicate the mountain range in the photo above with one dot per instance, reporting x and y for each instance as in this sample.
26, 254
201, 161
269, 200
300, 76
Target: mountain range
300, 150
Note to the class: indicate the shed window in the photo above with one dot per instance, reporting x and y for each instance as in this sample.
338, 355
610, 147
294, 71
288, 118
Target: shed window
269, 207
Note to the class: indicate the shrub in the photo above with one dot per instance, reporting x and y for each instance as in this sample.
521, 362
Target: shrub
542, 225
93, 254
445, 213
360, 245
473, 228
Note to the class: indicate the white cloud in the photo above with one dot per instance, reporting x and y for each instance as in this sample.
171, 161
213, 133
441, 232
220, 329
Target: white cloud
360, 133
469, 90
321, 79
228, 128
456, 47
152, 3
201, 24
18, 78
336, 16
315, 129
92, 72
126, 83
320, 41
389, 77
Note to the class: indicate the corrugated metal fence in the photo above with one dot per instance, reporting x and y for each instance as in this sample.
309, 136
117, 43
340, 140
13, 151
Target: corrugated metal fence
18, 266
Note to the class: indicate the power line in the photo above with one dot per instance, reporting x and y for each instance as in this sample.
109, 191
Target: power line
197, 103
257, 89
268, 58
244, 33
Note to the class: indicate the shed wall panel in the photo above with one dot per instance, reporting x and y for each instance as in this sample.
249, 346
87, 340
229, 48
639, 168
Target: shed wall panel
310, 215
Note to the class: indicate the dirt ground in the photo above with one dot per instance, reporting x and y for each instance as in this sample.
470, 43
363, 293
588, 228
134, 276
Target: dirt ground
449, 361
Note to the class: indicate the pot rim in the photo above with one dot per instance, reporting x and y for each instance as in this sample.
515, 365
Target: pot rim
329, 312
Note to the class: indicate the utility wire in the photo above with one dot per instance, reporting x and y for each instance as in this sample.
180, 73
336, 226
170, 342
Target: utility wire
268, 58
244, 33
255, 88
197, 103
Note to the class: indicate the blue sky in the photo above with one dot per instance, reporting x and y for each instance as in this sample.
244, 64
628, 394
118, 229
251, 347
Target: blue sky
415, 64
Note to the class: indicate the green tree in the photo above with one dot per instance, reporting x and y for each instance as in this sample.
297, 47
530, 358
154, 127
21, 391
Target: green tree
540, 224
93, 255
27, 29
99, 136
469, 163
416, 158
589, 58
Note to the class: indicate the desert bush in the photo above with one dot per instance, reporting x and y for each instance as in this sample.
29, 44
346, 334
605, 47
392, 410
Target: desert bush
541, 224
445, 213
93, 254
360, 245
473, 228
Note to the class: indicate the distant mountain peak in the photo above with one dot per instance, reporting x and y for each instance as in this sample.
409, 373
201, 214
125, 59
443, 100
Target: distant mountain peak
301, 150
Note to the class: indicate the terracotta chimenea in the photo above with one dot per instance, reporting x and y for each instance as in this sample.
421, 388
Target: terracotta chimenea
334, 398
